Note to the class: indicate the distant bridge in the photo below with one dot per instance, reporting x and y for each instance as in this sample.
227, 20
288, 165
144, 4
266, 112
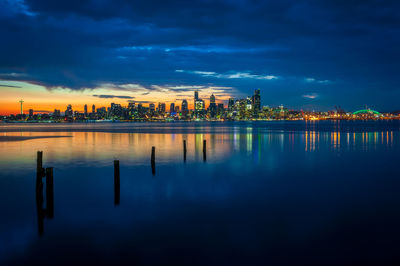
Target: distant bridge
367, 111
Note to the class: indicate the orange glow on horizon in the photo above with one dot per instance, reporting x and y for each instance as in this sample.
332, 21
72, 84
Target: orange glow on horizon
42, 100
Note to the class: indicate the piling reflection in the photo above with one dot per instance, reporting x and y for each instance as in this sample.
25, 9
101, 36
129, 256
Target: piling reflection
116, 183
94, 149
42, 212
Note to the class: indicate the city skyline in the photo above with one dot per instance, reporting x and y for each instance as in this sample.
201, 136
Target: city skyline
237, 109
310, 55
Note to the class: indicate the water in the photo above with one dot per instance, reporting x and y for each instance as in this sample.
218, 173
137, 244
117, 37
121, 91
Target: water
278, 193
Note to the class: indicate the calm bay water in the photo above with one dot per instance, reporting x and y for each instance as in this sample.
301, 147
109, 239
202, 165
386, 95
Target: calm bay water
278, 193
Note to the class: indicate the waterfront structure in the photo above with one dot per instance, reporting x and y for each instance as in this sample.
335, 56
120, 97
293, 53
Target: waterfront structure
68, 113
248, 108
256, 101
212, 107
21, 102
185, 108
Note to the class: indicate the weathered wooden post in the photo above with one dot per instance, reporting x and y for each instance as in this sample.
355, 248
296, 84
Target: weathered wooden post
39, 163
49, 193
116, 183
153, 160
204, 150
184, 150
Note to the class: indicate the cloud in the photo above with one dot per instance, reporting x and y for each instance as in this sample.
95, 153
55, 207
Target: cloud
12, 75
230, 75
15, 7
134, 101
313, 80
9, 86
104, 96
80, 45
198, 49
311, 96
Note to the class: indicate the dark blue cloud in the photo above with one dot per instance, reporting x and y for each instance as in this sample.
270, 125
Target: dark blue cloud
346, 52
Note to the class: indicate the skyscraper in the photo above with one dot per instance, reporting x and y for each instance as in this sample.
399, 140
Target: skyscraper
185, 108
93, 109
231, 104
256, 101
68, 113
85, 110
161, 108
212, 107
196, 98
172, 108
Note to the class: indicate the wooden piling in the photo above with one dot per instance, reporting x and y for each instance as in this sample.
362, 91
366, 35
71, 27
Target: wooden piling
204, 150
184, 150
116, 183
39, 163
49, 193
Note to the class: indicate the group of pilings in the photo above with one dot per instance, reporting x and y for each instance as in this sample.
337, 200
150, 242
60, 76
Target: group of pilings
153, 168
46, 173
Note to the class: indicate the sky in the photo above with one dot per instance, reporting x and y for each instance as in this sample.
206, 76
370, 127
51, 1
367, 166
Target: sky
310, 55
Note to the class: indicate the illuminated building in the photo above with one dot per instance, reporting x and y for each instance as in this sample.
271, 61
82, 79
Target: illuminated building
185, 108
152, 107
68, 113
212, 107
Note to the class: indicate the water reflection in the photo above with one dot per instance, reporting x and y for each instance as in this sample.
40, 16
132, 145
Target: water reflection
48, 211
99, 149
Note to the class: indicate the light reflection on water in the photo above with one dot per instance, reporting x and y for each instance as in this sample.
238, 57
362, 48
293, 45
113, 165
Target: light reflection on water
99, 148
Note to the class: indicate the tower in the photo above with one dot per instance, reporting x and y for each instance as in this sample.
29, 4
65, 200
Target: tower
196, 98
212, 107
21, 102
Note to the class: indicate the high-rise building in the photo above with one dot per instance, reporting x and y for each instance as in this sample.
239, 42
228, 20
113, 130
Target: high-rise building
257, 101
30, 112
185, 108
152, 107
212, 107
220, 108
161, 108
172, 108
93, 109
116, 110
199, 105
249, 103
196, 98
131, 109
68, 113
56, 113
85, 110
231, 104
177, 109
